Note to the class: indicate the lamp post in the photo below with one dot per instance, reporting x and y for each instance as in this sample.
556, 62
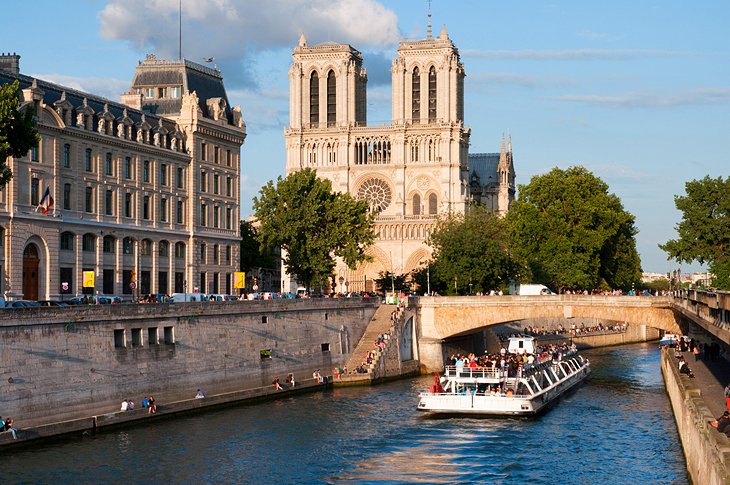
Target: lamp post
428, 278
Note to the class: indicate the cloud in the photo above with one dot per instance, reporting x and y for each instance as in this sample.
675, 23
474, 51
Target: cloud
233, 30
505, 79
109, 88
694, 97
579, 54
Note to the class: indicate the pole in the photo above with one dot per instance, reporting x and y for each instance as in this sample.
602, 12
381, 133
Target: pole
179, 36
428, 278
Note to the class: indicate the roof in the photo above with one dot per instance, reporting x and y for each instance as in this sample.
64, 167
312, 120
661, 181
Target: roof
484, 165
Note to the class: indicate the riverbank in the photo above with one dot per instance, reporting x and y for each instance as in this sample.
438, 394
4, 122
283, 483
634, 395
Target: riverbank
99, 422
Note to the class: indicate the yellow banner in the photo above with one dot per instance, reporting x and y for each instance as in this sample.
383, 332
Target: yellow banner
239, 280
88, 279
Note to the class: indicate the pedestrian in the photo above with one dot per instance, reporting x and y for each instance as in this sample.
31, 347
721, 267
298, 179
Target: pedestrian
727, 396
696, 352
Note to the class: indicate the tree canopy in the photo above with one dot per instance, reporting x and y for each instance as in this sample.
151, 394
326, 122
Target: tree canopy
252, 255
704, 231
570, 232
471, 249
313, 225
17, 130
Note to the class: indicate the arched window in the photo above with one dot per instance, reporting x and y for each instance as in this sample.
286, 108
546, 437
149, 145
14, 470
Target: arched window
432, 204
180, 250
416, 205
163, 248
314, 98
331, 99
432, 94
416, 95
88, 242
109, 244
67, 241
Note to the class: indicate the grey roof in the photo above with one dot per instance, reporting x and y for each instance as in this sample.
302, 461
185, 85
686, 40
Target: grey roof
484, 165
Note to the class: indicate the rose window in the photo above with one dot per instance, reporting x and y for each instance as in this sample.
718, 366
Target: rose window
376, 192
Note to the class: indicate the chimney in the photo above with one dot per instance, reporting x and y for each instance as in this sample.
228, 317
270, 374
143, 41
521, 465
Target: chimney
10, 62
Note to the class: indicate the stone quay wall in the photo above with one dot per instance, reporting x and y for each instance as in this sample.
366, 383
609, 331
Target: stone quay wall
707, 452
633, 334
71, 363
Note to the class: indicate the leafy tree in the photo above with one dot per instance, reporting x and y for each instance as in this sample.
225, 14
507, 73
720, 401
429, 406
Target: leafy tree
387, 281
570, 232
252, 256
471, 252
313, 225
704, 231
17, 130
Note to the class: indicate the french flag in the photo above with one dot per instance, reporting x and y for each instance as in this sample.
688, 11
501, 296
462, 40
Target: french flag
46, 202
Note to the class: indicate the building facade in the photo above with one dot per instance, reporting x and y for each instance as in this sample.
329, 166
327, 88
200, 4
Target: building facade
143, 194
411, 171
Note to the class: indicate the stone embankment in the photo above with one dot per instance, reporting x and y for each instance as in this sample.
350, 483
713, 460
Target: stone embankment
707, 452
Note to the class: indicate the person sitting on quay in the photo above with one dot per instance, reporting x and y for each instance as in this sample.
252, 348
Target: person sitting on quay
125, 406
276, 384
8, 426
318, 376
145, 402
722, 423
290, 380
199, 395
684, 368
151, 406
130, 405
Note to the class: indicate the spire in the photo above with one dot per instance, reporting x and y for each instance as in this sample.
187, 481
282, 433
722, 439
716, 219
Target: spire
502, 149
509, 144
444, 35
302, 40
429, 33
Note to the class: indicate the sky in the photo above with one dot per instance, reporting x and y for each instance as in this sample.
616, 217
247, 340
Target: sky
636, 92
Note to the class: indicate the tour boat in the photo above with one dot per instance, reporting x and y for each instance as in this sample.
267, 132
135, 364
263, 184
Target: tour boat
490, 391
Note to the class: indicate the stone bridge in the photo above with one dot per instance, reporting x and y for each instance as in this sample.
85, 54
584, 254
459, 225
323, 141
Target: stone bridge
439, 318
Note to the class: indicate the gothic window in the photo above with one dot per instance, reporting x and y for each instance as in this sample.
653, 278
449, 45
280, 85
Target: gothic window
432, 94
416, 95
432, 204
376, 192
331, 99
414, 151
416, 205
430, 151
314, 99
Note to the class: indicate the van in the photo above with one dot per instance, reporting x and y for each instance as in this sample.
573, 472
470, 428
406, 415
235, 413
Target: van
188, 297
531, 290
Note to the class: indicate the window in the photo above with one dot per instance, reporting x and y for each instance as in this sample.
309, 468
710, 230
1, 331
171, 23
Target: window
87, 159
228, 254
127, 204
203, 151
128, 245
169, 334
228, 158
163, 174
67, 155
202, 282
216, 184
314, 99
432, 94
203, 251
149, 92
35, 188
265, 319
136, 337
180, 175
331, 99
216, 216
145, 248
109, 164
229, 186
216, 154
203, 182
88, 243
180, 250
229, 217
416, 95
163, 92
67, 196
128, 168
180, 212
119, 341
325, 348
416, 205
146, 171
432, 204
89, 202
108, 244
67, 241
174, 91
203, 215
164, 248
146, 207
34, 152
153, 337
215, 254
109, 202
67, 277
108, 281
163, 209
216, 283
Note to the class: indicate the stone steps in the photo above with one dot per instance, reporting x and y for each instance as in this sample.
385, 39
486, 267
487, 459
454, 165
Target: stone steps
379, 324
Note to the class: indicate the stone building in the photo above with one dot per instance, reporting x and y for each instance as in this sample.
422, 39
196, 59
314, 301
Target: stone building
144, 193
412, 170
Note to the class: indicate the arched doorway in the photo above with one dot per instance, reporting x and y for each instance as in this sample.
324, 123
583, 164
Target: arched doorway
31, 264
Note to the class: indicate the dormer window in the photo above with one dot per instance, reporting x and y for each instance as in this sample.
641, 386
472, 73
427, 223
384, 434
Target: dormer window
175, 91
149, 92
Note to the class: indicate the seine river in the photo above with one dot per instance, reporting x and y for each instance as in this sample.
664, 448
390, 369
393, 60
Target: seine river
615, 429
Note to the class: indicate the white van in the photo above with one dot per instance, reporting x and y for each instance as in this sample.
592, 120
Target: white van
521, 345
188, 297
532, 290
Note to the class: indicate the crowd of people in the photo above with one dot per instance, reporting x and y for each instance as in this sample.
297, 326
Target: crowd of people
561, 331
147, 403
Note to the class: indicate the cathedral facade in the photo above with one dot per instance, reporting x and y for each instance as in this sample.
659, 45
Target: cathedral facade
410, 171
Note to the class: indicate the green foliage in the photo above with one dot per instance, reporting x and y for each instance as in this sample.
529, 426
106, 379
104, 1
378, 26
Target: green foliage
471, 249
252, 254
657, 285
704, 231
17, 130
386, 281
301, 215
570, 232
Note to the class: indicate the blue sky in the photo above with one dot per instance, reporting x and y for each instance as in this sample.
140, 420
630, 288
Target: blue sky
637, 92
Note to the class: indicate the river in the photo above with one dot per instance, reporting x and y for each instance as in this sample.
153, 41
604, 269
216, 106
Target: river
617, 428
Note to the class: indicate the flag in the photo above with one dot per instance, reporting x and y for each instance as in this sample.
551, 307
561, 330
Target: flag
46, 202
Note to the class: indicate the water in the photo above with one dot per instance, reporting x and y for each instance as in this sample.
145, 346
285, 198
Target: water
617, 428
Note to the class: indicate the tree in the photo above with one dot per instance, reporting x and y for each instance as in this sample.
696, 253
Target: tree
313, 225
570, 232
471, 252
704, 231
252, 256
17, 130
387, 282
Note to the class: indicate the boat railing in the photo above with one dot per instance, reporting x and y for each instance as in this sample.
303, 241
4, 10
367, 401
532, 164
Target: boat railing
475, 373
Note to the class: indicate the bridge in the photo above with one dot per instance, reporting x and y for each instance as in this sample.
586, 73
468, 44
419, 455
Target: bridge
439, 318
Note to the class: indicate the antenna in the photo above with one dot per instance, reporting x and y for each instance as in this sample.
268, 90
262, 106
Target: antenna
179, 33
428, 30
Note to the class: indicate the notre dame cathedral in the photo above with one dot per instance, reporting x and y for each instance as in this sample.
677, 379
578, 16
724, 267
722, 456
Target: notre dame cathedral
411, 171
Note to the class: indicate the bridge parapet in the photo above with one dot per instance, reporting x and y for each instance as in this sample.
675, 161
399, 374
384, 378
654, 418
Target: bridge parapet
709, 309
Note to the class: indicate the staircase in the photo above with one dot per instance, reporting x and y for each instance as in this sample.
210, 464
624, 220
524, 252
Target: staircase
380, 324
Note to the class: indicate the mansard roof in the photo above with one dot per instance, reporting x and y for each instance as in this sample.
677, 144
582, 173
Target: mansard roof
190, 76
484, 165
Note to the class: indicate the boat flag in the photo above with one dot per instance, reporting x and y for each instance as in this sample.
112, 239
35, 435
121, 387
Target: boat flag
46, 202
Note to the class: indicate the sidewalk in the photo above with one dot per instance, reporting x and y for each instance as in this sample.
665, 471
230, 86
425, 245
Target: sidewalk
711, 378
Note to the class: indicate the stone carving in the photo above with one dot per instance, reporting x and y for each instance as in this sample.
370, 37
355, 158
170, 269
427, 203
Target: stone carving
376, 192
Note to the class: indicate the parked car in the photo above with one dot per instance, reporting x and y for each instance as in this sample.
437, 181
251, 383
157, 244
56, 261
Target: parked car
52, 303
21, 304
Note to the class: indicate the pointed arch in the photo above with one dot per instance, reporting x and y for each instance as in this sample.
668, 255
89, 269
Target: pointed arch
331, 98
416, 95
432, 90
314, 98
